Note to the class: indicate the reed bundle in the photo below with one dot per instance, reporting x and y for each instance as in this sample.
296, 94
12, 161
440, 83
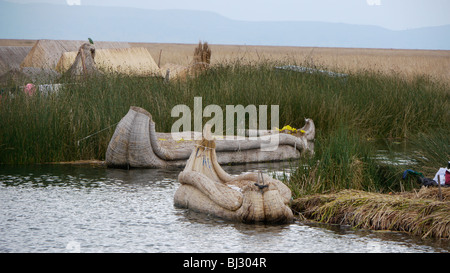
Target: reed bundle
202, 55
200, 62
425, 217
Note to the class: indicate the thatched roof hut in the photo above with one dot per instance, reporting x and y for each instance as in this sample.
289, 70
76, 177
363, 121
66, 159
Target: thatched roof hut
46, 53
22, 76
11, 57
84, 63
136, 61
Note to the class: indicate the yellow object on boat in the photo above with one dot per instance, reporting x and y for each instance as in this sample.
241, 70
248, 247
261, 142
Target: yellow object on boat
289, 128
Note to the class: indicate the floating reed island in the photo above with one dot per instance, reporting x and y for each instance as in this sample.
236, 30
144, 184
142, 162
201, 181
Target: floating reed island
418, 213
249, 198
136, 144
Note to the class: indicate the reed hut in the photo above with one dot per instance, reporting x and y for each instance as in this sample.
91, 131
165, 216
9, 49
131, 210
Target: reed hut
131, 61
46, 53
22, 76
84, 63
11, 57
249, 198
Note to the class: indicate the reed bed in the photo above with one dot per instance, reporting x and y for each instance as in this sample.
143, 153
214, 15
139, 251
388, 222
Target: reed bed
407, 64
433, 149
344, 160
416, 215
77, 122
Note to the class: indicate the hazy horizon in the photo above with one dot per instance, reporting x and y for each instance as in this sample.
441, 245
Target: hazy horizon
324, 23
390, 14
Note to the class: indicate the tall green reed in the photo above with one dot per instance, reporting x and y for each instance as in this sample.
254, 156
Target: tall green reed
342, 160
56, 127
432, 151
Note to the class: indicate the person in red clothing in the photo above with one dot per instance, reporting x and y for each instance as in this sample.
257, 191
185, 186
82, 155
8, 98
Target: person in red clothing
447, 175
30, 89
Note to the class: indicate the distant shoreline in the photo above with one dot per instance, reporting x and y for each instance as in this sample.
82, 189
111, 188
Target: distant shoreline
408, 63
31, 42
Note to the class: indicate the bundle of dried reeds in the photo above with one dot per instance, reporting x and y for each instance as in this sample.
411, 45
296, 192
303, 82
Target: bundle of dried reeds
397, 212
429, 193
202, 56
200, 62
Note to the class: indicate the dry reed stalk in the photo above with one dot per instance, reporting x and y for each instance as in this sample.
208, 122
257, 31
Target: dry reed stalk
418, 216
429, 193
405, 63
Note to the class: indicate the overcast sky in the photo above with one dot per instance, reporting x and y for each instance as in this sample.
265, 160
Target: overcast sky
391, 14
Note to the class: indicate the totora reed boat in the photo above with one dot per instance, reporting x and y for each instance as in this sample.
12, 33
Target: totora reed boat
136, 144
249, 198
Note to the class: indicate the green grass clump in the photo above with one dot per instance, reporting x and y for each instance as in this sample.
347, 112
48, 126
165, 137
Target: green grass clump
342, 160
432, 150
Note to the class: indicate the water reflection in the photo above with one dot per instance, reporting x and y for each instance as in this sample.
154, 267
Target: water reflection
62, 208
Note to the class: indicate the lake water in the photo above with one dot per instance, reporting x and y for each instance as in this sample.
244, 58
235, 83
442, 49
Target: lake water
67, 208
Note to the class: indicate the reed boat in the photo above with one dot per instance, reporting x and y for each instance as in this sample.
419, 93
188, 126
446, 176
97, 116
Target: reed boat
136, 144
249, 198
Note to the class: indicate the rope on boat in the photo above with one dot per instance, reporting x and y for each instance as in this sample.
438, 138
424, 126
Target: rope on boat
261, 186
84, 138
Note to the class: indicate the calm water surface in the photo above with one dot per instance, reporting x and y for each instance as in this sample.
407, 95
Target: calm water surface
62, 208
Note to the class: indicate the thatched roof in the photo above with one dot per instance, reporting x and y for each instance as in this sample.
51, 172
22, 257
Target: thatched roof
84, 63
12, 56
136, 60
46, 53
22, 76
